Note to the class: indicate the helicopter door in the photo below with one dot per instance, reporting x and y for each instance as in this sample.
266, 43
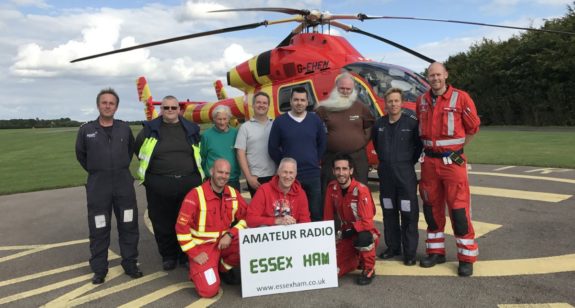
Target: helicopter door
285, 96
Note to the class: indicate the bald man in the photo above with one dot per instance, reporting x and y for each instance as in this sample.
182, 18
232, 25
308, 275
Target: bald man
447, 122
208, 227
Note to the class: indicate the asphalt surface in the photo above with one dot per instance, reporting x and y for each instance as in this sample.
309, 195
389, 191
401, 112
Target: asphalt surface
524, 217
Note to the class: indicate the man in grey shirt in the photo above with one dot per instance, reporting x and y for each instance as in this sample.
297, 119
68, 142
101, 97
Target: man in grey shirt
252, 145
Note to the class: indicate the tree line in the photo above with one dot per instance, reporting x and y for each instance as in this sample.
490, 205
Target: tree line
40, 123
526, 80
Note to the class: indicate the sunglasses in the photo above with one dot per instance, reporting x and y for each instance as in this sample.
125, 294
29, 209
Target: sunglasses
170, 107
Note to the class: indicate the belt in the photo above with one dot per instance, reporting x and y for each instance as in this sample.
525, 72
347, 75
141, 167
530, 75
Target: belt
173, 176
432, 154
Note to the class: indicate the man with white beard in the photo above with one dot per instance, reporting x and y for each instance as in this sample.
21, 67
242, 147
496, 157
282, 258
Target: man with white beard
348, 122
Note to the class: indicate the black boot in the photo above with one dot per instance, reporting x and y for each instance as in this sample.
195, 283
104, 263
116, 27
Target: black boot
465, 269
431, 260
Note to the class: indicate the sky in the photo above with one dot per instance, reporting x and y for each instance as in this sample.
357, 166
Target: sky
39, 38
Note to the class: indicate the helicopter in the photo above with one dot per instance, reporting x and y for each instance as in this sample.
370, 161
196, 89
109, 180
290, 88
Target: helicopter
308, 57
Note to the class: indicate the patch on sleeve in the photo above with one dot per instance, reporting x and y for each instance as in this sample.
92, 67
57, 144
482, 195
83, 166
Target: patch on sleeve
183, 219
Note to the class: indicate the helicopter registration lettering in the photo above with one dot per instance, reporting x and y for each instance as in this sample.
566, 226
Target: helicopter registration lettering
312, 66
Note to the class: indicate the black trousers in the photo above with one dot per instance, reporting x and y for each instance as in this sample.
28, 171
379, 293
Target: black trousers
398, 199
165, 195
107, 191
262, 180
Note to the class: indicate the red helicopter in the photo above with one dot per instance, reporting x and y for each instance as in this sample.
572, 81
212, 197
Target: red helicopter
306, 57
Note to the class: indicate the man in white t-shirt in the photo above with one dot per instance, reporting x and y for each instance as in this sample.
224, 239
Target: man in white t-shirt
252, 145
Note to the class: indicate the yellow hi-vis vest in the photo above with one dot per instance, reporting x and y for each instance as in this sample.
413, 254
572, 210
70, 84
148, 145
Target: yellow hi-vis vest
145, 155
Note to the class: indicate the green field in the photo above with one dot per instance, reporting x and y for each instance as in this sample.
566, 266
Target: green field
37, 159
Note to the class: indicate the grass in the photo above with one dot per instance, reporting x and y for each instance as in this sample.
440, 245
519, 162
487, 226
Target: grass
524, 146
37, 159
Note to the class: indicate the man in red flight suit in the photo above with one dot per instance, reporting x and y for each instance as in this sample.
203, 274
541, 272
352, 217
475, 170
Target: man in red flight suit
281, 201
351, 201
447, 122
208, 227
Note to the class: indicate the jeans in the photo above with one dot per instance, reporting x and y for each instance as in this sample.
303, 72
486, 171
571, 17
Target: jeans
312, 188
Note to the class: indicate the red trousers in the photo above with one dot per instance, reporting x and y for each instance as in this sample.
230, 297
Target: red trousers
206, 276
349, 258
447, 184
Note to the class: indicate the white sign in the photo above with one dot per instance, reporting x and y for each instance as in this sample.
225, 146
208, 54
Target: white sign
291, 258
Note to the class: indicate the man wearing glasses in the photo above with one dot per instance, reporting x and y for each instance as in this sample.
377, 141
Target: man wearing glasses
170, 166
348, 122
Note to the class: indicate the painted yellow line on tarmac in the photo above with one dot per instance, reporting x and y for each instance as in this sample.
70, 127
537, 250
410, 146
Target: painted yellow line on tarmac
518, 194
154, 296
43, 274
19, 247
205, 302
547, 305
40, 248
480, 228
48, 288
521, 176
64, 300
492, 268
115, 289
504, 168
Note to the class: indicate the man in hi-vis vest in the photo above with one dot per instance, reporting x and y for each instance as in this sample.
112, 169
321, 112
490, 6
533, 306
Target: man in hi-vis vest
208, 226
447, 121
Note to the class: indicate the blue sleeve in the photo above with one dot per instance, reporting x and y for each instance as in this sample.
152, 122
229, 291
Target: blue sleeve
274, 143
321, 139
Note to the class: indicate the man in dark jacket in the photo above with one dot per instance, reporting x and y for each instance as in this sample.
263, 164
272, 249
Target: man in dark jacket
104, 148
170, 166
398, 146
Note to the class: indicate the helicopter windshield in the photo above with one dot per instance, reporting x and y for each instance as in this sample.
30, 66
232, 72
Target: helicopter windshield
381, 77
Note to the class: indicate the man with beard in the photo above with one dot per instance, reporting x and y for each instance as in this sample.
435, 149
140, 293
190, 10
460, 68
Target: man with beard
351, 202
280, 201
348, 122
447, 122
208, 227
396, 141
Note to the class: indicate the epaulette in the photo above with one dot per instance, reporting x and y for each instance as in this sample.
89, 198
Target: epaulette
86, 123
413, 117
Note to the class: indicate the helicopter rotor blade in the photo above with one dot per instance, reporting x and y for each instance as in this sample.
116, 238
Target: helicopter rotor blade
287, 39
392, 43
267, 9
179, 38
363, 17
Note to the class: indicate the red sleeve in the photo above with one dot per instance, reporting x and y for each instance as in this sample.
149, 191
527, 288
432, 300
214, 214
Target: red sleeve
187, 215
256, 215
303, 208
328, 208
470, 119
365, 210
240, 216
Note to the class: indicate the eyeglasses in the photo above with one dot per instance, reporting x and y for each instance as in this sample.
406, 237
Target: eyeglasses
170, 107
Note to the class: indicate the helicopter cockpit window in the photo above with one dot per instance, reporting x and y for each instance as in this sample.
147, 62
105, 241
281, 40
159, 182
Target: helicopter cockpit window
364, 97
285, 96
382, 77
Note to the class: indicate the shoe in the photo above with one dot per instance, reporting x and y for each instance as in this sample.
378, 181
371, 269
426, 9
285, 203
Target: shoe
133, 271
230, 277
409, 261
465, 269
431, 260
366, 277
389, 253
169, 264
98, 278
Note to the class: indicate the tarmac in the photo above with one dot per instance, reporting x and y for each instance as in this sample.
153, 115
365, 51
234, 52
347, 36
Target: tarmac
523, 217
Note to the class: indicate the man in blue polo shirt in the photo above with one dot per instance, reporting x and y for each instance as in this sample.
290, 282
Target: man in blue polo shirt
301, 135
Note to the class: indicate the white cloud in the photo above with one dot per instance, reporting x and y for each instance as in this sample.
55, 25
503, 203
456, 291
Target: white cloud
32, 3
